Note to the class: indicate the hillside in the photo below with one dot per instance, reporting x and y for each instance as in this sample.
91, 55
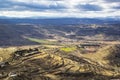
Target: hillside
49, 64
20, 34
59, 49
59, 21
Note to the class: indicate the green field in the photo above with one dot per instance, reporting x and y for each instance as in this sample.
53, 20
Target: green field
43, 41
68, 49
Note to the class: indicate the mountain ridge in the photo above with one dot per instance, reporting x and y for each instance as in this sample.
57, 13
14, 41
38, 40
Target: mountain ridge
60, 21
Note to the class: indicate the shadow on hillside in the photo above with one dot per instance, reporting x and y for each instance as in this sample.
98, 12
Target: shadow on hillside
13, 35
114, 56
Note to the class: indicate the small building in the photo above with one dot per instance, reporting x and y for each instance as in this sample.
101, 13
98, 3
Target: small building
89, 47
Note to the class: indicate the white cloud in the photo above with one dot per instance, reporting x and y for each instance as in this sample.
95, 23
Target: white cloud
88, 14
69, 8
37, 2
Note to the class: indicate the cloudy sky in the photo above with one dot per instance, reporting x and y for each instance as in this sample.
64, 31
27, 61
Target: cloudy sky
60, 8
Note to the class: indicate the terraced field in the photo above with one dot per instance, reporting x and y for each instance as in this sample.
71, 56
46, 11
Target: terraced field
56, 66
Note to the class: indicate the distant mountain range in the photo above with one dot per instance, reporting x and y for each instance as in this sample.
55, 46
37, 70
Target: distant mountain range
59, 21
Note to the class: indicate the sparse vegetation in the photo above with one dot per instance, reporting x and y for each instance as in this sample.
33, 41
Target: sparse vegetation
68, 49
5, 53
55, 66
58, 54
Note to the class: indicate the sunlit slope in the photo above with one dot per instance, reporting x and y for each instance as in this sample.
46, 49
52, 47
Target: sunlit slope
107, 55
64, 65
53, 67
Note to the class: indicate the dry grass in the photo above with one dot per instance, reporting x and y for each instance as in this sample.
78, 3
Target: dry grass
99, 55
5, 53
51, 66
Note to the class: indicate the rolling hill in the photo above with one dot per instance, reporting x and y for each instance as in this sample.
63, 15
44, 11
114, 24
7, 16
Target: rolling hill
59, 66
16, 32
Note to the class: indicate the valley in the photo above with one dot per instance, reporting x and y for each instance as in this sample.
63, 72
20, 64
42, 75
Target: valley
33, 34
58, 51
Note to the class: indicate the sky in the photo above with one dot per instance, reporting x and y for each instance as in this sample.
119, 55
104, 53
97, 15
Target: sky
60, 8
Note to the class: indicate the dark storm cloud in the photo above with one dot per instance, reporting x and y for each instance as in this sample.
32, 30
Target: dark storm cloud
117, 7
112, 0
59, 8
20, 6
89, 7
